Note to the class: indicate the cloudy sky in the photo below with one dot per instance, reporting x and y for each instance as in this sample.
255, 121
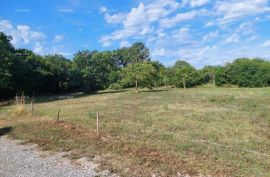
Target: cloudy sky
201, 32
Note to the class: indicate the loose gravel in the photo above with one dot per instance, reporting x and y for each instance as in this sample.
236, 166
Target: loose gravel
17, 160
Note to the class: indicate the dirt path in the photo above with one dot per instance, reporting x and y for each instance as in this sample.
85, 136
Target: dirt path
18, 160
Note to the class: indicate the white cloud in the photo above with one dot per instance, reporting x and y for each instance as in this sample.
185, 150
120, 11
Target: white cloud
159, 52
136, 19
211, 35
171, 22
182, 36
24, 37
266, 44
124, 44
161, 8
115, 18
246, 28
236, 9
208, 24
59, 49
22, 34
234, 38
194, 3
252, 38
171, 29
198, 3
58, 38
38, 48
105, 40
160, 33
139, 21
103, 9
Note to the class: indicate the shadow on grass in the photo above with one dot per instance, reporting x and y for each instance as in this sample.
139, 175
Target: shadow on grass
57, 97
51, 98
155, 90
6, 103
5, 130
110, 91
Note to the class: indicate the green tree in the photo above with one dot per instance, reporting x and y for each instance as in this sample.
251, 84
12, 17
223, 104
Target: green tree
28, 72
247, 72
58, 68
139, 74
136, 53
6, 60
97, 69
161, 78
185, 75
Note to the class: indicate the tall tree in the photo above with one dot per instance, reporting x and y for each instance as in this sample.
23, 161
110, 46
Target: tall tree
185, 75
6, 60
96, 68
58, 72
28, 72
139, 53
136, 53
139, 74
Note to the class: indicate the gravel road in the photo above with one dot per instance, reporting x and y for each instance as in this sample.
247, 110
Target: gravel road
18, 160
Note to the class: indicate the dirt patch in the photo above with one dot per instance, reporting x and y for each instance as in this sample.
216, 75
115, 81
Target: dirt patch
2, 122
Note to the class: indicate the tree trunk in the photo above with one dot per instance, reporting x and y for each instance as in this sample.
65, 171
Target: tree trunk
213, 77
136, 83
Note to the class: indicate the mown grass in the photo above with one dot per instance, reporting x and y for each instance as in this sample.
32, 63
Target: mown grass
208, 131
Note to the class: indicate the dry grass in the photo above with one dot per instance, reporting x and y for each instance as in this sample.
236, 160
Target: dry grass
209, 131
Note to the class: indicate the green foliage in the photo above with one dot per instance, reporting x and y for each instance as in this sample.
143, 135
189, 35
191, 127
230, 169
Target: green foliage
6, 56
184, 75
249, 72
161, 78
139, 53
116, 86
28, 72
96, 69
58, 72
136, 53
139, 75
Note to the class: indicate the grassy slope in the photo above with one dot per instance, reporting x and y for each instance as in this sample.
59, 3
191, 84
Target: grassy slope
216, 131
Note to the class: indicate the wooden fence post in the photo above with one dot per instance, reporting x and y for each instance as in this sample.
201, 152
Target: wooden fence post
17, 102
97, 117
58, 114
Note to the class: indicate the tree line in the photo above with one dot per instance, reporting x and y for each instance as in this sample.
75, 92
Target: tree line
22, 70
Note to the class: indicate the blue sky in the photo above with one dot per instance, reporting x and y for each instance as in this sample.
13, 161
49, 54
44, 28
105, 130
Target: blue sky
201, 32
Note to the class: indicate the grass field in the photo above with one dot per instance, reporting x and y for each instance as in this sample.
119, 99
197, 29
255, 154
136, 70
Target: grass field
200, 131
